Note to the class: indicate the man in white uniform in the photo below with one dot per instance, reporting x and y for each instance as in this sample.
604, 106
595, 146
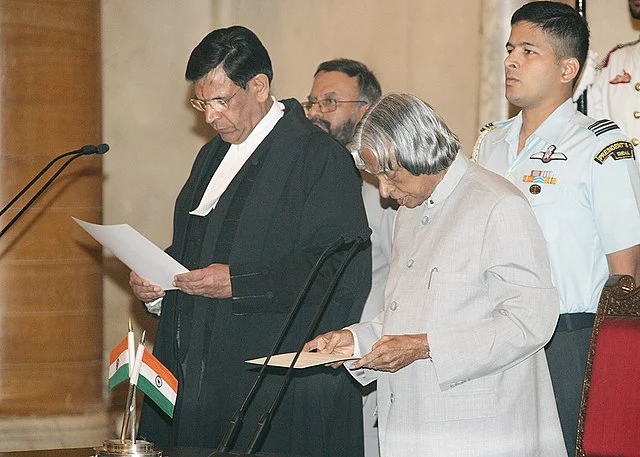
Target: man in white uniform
615, 94
579, 175
469, 304
342, 90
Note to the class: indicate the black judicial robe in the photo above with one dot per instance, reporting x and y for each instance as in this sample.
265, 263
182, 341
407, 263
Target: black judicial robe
296, 195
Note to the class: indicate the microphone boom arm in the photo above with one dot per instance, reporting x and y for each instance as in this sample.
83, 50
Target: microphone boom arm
235, 423
265, 419
32, 182
85, 150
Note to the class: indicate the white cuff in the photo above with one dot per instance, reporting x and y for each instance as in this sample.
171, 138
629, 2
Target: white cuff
356, 346
155, 306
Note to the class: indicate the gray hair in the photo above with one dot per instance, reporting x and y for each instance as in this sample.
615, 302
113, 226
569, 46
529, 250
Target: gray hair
409, 128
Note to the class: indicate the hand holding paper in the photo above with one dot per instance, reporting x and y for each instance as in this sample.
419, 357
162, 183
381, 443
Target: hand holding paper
213, 281
338, 343
143, 289
332, 348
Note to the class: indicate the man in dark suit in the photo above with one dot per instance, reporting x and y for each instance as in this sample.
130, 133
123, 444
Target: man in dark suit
263, 199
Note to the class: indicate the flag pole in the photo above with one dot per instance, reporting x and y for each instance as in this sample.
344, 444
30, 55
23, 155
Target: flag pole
130, 409
134, 382
130, 393
132, 420
127, 415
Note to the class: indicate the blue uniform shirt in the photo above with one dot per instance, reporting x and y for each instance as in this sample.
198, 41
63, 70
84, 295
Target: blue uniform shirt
582, 181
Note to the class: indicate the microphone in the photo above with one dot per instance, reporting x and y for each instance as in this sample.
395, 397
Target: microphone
84, 150
236, 421
91, 149
265, 419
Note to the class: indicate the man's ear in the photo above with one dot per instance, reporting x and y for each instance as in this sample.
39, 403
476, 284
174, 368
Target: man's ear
362, 109
570, 69
260, 86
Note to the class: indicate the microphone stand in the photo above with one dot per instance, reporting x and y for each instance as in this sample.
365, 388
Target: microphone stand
85, 150
236, 421
265, 419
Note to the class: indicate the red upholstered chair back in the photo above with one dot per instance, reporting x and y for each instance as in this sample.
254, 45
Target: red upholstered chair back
609, 424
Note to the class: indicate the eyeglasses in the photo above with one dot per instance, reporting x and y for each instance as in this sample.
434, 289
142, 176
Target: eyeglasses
218, 104
328, 105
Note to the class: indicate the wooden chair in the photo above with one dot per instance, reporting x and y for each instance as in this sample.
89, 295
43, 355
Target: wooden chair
609, 423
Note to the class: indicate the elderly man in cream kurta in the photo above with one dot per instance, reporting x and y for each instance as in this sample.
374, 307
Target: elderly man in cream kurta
469, 301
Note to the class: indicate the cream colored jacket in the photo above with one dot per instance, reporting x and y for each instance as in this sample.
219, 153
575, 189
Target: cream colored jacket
470, 269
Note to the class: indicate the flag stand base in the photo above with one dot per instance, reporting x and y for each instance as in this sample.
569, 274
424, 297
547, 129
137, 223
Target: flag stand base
117, 448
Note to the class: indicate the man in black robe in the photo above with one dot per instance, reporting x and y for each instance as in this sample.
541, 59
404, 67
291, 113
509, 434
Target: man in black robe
264, 198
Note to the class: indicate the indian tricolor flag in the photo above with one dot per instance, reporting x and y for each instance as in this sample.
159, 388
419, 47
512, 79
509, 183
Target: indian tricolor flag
119, 363
157, 382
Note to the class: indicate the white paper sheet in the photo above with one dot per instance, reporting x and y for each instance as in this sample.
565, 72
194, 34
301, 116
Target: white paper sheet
136, 252
306, 359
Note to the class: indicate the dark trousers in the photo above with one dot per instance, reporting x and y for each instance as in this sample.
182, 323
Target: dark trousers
567, 359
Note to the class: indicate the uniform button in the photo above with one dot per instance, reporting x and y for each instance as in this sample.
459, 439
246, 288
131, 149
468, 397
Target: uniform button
636, 114
637, 86
425, 220
269, 295
391, 398
410, 263
635, 141
394, 306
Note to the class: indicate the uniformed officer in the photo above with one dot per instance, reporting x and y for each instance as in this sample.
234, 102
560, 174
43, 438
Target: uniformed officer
615, 93
579, 175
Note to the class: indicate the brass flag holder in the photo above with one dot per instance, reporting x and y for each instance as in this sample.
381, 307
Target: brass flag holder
117, 448
131, 447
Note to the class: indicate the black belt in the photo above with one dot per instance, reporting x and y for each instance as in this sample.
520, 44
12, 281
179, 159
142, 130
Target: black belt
575, 321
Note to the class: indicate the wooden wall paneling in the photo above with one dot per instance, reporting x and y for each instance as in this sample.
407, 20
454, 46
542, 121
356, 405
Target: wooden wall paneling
50, 270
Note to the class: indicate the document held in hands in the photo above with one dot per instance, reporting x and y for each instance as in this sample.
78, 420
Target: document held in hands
136, 252
306, 359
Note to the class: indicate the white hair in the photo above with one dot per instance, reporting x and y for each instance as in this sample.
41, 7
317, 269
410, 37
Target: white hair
409, 128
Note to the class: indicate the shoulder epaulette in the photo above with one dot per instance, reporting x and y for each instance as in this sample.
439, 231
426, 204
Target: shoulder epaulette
602, 126
605, 61
476, 147
487, 127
